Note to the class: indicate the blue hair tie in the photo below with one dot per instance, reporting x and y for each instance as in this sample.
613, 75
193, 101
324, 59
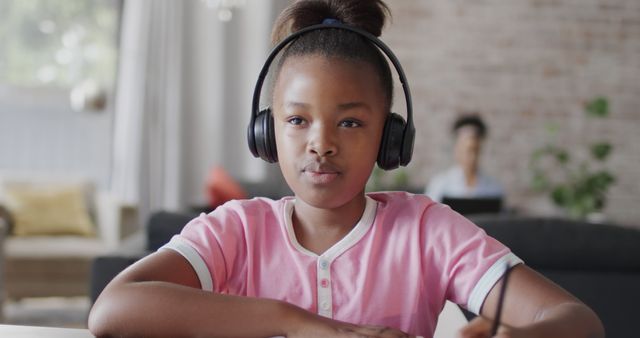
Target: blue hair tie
331, 21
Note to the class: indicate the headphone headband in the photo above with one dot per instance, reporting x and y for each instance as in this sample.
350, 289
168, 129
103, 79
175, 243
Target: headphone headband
409, 130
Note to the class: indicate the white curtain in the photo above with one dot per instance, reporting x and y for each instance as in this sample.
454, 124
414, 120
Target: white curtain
146, 151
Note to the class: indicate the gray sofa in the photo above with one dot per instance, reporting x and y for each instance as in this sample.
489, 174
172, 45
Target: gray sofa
56, 265
598, 263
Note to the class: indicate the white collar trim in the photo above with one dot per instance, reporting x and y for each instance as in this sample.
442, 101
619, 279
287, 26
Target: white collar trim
353, 237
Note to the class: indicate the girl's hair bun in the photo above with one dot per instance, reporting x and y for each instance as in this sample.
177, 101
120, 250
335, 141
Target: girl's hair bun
368, 15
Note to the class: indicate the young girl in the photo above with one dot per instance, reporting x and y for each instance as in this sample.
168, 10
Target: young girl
331, 261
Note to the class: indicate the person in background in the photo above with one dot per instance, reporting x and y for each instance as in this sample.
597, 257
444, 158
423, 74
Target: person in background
465, 179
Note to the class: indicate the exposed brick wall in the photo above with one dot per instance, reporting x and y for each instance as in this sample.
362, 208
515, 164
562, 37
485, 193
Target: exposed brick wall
523, 64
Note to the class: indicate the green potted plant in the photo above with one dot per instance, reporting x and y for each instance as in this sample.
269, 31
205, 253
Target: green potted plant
578, 186
381, 180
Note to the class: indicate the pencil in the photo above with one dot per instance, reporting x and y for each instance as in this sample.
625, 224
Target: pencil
503, 289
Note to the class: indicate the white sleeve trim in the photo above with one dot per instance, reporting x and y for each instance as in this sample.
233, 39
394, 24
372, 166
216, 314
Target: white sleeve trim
488, 280
193, 257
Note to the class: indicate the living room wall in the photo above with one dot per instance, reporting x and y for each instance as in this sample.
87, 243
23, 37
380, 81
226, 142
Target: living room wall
522, 65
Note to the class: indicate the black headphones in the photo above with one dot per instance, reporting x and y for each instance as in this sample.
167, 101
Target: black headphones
396, 146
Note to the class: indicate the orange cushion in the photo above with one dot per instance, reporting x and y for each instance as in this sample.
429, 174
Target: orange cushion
221, 187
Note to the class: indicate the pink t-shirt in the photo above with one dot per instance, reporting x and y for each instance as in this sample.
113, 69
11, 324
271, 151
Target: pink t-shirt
396, 267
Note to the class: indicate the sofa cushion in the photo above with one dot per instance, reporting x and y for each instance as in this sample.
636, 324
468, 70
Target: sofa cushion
49, 210
598, 263
553, 243
105, 268
163, 225
612, 295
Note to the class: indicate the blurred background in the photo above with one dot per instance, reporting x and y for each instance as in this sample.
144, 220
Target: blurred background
146, 102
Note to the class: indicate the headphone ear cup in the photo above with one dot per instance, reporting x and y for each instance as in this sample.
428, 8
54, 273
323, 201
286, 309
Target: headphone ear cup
391, 144
407, 145
264, 137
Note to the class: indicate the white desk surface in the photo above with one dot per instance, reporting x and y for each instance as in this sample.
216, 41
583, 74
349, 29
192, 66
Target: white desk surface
18, 331
451, 320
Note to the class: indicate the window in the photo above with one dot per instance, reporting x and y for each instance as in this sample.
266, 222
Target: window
58, 66
58, 43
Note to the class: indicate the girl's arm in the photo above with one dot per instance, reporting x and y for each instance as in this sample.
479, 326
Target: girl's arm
535, 307
160, 296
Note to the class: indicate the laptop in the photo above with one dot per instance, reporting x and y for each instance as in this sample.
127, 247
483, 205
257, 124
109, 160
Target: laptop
475, 205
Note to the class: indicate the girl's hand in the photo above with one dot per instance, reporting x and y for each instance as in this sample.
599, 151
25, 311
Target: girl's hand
375, 331
349, 331
480, 327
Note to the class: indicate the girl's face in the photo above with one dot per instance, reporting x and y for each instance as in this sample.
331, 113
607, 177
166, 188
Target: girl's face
329, 114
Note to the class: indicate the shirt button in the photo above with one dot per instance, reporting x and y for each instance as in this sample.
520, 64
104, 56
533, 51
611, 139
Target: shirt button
325, 305
323, 264
324, 283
